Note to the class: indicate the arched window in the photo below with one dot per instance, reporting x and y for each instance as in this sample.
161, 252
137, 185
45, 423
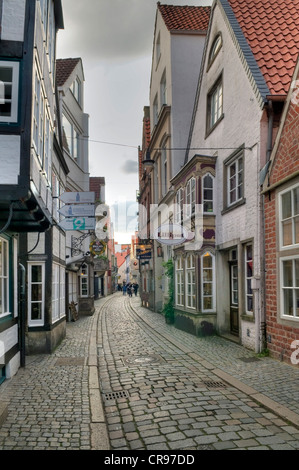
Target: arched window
208, 282
216, 46
208, 193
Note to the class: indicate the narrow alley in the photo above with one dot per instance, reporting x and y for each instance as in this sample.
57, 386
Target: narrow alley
158, 388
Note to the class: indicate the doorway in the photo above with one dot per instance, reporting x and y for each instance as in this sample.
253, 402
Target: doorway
234, 293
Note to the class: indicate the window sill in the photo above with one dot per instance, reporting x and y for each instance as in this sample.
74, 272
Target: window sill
233, 206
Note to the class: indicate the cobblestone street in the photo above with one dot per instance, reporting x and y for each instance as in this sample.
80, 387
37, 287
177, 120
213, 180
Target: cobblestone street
123, 380
161, 393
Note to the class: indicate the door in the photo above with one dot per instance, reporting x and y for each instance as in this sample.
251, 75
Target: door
234, 299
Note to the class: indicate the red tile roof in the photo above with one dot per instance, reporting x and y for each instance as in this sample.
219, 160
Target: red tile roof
271, 29
185, 18
64, 68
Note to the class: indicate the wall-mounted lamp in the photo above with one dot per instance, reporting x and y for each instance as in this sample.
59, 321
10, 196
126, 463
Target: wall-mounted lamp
148, 163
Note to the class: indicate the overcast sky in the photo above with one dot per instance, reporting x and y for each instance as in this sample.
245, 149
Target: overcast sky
114, 38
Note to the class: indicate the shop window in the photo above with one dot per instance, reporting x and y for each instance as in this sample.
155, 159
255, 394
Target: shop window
36, 294
179, 281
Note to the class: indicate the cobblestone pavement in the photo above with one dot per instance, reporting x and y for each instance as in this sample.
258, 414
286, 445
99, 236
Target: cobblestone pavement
124, 380
165, 389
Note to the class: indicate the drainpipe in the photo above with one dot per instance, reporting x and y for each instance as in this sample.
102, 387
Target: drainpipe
261, 340
22, 321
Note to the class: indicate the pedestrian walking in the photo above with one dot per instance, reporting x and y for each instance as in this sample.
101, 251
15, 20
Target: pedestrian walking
135, 286
124, 289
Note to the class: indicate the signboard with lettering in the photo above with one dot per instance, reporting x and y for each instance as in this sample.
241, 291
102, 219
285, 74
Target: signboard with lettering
144, 252
78, 210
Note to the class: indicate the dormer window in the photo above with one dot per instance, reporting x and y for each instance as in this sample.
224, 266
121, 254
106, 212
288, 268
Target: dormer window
216, 46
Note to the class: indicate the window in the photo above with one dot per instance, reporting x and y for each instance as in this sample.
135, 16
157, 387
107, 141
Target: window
248, 279
235, 181
216, 46
179, 210
289, 217
51, 36
208, 193
179, 281
290, 287
155, 110
58, 292
4, 277
164, 170
158, 49
191, 197
215, 105
163, 89
76, 90
36, 294
208, 282
84, 281
70, 138
9, 91
190, 282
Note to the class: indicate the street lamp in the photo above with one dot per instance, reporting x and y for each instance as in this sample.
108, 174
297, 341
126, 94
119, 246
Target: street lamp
148, 163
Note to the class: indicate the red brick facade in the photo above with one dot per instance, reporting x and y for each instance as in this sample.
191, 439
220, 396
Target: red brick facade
281, 331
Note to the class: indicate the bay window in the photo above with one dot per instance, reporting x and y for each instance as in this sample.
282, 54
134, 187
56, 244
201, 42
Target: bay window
208, 193
190, 197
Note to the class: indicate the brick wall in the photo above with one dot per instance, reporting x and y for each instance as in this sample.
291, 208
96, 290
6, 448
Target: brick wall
280, 333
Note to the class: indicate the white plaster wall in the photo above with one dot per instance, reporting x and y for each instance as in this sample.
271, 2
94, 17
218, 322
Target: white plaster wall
10, 158
13, 20
240, 126
8, 339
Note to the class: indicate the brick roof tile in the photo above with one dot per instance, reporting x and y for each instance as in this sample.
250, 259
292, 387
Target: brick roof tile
271, 29
64, 68
185, 18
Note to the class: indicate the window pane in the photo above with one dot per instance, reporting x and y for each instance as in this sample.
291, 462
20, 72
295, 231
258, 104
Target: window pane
207, 303
36, 292
288, 301
1, 299
297, 303
36, 311
36, 273
287, 232
286, 201
296, 220
5, 110
207, 261
296, 201
208, 206
6, 74
287, 273
249, 304
297, 272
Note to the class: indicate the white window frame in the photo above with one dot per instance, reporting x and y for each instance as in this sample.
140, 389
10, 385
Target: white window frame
205, 281
291, 219
155, 111
248, 278
283, 288
72, 140
204, 188
41, 321
215, 105
179, 281
4, 277
179, 209
15, 66
76, 90
239, 181
190, 197
190, 282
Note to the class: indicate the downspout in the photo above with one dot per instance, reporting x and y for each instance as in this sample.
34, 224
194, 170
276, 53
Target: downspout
22, 320
261, 341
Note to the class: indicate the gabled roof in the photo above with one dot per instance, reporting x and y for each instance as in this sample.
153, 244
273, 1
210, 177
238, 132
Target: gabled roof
271, 29
64, 68
185, 18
